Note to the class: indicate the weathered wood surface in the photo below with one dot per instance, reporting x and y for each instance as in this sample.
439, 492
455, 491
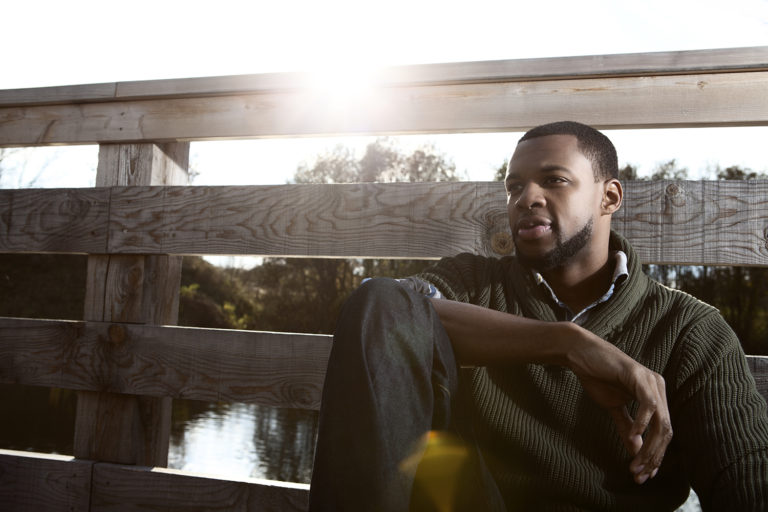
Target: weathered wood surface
279, 369
36, 482
54, 220
142, 164
714, 99
141, 289
125, 489
632, 64
43, 483
687, 222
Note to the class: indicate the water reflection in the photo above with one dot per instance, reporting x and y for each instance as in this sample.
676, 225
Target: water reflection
227, 440
243, 440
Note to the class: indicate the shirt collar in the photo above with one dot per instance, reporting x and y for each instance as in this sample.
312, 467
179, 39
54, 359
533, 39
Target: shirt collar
620, 274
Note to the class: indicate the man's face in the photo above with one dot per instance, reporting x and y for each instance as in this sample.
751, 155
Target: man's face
552, 201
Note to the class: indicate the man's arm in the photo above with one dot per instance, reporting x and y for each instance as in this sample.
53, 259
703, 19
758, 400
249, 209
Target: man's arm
610, 377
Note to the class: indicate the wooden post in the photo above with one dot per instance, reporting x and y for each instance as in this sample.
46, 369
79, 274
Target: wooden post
111, 427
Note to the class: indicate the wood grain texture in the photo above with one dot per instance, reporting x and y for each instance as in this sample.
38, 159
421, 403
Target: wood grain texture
277, 369
657, 63
715, 99
68, 220
43, 483
400, 219
686, 222
131, 288
144, 164
698, 222
125, 489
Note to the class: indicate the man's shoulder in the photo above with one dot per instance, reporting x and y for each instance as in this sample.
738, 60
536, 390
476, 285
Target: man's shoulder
471, 263
680, 302
468, 275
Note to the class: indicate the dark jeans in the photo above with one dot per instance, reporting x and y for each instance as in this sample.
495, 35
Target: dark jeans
392, 377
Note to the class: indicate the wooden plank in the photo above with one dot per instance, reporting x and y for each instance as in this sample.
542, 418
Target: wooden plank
697, 222
604, 66
758, 365
691, 222
728, 99
43, 482
399, 219
633, 64
119, 488
68, 220
82, 93
277, 369
688, 222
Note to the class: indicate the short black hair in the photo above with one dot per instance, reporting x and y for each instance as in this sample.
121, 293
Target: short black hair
598, 148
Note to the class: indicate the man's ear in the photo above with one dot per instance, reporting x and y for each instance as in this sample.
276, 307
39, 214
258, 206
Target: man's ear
613, 194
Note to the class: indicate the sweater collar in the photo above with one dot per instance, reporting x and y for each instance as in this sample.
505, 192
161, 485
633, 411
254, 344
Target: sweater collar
606, 317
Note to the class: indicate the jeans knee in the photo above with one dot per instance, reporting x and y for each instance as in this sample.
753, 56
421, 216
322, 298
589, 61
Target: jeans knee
381, 291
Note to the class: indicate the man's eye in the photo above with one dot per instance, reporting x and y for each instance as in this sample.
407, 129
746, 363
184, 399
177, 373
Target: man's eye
554, 180
513, 188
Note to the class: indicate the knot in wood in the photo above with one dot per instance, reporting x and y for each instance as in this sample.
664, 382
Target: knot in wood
116, 334
675, 194
73, 208
501, 243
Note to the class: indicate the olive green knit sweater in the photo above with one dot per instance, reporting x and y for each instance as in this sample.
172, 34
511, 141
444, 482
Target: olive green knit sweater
551, 448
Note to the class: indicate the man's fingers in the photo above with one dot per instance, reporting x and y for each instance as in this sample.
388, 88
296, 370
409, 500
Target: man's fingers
624, 422
653, 414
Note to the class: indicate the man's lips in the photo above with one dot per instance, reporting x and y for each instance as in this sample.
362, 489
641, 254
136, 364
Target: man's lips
532, 227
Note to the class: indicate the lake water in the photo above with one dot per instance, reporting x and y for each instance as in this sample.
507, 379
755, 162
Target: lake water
245, 440
226, 440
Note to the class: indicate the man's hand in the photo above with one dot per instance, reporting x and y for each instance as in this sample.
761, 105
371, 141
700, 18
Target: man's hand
613, 379
609, 376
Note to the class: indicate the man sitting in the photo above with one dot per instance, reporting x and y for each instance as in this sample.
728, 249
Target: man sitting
581, 368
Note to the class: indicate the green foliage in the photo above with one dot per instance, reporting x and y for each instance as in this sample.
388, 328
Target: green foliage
42, 285
211, 297
382, 162
628, 172
501, 171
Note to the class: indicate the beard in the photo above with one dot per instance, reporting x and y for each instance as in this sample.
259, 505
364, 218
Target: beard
562, 252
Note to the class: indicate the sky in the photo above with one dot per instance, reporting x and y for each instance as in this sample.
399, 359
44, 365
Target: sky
58, 43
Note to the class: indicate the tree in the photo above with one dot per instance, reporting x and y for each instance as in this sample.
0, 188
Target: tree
382, 162
501, 171
305, 294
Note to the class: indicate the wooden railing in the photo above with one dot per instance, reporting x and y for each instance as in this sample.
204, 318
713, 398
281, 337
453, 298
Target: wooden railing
126, 359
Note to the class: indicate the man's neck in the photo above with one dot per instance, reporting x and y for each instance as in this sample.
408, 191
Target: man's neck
579, 284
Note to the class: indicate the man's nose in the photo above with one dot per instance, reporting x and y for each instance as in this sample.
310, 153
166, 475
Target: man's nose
530, 197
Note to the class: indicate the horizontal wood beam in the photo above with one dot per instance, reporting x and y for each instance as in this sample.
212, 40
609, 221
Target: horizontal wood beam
54, 483
714, 99
118, 488
722, 60
685, 222
278, 369
44, 482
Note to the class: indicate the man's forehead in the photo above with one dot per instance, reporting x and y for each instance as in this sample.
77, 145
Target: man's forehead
546, 153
